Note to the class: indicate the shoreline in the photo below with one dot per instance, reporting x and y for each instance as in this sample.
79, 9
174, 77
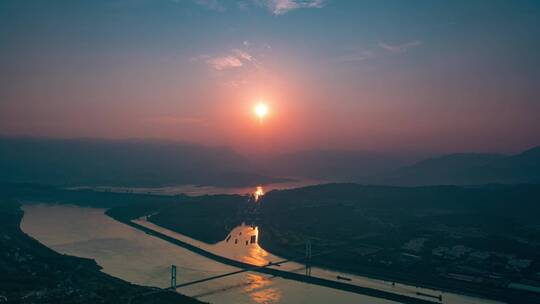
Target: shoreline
376, 275
280, 273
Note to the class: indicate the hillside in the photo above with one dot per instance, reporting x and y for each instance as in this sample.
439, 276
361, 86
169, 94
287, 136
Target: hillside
91, 162
406, 170
468, 169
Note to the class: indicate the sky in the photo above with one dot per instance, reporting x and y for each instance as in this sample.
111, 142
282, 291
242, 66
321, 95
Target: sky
389, 76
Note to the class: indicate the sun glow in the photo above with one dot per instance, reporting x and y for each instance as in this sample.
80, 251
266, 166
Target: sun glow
258, 193
261, 110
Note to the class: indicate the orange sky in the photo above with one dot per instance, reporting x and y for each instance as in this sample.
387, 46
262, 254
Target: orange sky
445, 77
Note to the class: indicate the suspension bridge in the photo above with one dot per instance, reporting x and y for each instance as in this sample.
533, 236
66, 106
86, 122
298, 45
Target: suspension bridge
266, 269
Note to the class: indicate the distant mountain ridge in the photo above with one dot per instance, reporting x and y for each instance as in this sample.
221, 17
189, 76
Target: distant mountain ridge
151, 163
401, 170
333, 165
98, 162
469, 169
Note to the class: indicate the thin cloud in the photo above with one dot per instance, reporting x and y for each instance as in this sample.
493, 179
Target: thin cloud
202, 57
246, 57
378, 51
225, 62
280, 7
236, 59
243, 54
400, 48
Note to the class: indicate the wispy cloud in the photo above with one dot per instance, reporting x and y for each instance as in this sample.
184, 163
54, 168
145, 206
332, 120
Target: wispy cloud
225, 62
243, 54
214, 5
356, 54
235, 59
276, 7
280, 7
380, 50
400, 48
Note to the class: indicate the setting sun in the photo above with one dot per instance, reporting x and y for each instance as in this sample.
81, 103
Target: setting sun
261, 110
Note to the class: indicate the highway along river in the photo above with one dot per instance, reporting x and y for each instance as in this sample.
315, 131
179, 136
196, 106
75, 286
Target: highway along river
143, 259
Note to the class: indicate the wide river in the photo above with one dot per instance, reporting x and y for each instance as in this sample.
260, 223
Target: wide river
140, 258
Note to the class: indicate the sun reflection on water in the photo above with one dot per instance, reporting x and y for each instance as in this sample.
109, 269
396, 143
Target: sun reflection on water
258, 193
260, 291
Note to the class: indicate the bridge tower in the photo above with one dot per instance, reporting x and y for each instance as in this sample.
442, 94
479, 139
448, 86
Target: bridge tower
173, 277
308, 258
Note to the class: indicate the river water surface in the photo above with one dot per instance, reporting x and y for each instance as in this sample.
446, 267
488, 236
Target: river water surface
137, 257
134, 256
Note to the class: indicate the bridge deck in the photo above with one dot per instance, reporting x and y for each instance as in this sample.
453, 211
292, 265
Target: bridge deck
276, 272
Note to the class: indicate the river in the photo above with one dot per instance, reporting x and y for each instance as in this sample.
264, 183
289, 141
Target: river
203, 190
137, 257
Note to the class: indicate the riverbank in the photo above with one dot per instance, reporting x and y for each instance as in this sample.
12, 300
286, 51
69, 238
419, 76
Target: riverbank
139, 258
241, 245
455, 239
284, 274
33, 273
411, 236
209, 218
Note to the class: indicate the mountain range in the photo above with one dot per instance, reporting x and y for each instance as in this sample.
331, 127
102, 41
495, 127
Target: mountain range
469, 169
97, 162
148, 163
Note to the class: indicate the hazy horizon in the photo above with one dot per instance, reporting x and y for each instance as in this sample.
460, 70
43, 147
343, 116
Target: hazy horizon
418, 154
386, 76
